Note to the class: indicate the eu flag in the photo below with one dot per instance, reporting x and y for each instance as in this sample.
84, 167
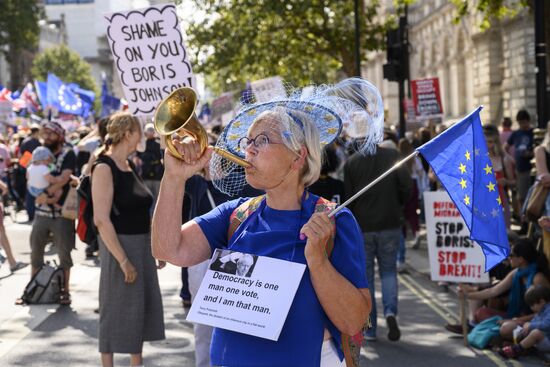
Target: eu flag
460, 159
42, 92
68, 98
109, 103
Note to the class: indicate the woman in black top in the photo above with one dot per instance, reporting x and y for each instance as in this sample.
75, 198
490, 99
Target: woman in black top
130, 304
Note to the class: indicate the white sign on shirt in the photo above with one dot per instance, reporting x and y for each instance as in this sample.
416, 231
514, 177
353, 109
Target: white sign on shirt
246, 293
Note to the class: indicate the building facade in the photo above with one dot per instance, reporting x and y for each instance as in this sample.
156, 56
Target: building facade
494, 68
52, 33
86, 28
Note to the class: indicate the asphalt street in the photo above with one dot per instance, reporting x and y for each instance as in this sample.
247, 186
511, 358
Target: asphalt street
51, 335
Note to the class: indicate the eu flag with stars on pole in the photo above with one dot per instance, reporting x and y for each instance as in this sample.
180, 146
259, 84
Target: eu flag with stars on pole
460, 160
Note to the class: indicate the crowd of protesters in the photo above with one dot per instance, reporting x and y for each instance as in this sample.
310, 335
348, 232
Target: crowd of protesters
126, 183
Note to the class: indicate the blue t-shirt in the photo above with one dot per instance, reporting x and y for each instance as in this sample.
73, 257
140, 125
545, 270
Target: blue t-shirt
522, 140
275, 233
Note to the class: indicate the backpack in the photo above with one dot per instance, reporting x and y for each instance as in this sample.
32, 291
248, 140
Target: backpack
45, 286
351, 345
86, 229
482, 333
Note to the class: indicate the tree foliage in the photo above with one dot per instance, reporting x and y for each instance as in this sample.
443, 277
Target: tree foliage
302, 41
19, 30
489, 9
67, 65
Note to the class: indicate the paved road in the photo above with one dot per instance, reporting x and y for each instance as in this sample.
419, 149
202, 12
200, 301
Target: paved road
67, 336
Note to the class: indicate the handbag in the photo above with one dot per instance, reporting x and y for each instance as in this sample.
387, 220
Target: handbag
536, 201
70, 206
482, 333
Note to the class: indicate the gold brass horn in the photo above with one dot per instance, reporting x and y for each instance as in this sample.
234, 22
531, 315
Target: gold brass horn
176, 115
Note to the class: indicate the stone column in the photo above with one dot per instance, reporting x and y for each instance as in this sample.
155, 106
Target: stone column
454, 94
469, 82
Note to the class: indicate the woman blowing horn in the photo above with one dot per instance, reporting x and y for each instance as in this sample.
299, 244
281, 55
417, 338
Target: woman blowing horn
282, 140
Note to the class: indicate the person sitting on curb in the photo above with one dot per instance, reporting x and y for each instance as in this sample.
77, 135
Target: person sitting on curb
534, 333
530, 268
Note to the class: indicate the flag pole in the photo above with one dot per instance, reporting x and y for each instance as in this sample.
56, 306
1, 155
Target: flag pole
464, 318
370, 185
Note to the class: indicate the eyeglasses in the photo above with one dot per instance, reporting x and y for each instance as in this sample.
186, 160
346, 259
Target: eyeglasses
260, 141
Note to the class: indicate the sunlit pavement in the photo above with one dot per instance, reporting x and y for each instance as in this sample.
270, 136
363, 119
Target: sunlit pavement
51, 335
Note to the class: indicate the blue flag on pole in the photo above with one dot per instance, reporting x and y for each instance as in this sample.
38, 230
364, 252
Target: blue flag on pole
109, 103
66, 97
460, 159
42, 92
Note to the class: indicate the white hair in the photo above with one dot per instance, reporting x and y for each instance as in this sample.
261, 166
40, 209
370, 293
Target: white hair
246, 259
294, 136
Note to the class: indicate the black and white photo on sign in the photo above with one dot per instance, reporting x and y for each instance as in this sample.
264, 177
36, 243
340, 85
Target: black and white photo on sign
233, 262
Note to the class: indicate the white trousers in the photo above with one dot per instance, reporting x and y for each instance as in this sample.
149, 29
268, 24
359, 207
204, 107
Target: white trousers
329, 355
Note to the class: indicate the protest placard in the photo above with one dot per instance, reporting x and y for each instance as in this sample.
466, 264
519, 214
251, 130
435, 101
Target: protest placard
246, 293
266, 89
150, 57
6, 111
454, 257
426, 98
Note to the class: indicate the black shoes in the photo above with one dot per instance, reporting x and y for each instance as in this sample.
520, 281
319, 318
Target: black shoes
456, 328
394, 333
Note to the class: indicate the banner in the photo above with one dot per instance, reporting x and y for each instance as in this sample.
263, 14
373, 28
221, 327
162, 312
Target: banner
453, 256
222, 104
426, 98
149, 54
266, 89
6, 110
246, 293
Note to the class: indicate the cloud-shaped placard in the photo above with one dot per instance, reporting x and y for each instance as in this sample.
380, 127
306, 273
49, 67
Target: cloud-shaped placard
149, 54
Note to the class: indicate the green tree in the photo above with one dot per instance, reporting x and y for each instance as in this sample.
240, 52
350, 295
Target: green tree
489, 9
67, 65
19, 31
302, 41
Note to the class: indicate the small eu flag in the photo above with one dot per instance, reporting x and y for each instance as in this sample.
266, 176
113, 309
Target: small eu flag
460, 159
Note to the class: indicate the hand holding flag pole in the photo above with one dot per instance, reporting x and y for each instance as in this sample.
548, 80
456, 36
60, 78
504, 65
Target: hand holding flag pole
370, 185
460, 160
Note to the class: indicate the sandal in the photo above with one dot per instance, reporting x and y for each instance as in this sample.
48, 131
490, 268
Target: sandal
65, 299
511, 351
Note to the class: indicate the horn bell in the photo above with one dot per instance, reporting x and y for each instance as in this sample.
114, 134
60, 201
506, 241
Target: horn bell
175, 115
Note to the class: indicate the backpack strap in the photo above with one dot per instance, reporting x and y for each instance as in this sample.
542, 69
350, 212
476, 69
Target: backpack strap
351, 344
241, 213
59, 161
321, 205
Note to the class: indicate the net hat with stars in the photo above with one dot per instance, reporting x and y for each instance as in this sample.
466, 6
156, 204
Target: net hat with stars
353, 107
